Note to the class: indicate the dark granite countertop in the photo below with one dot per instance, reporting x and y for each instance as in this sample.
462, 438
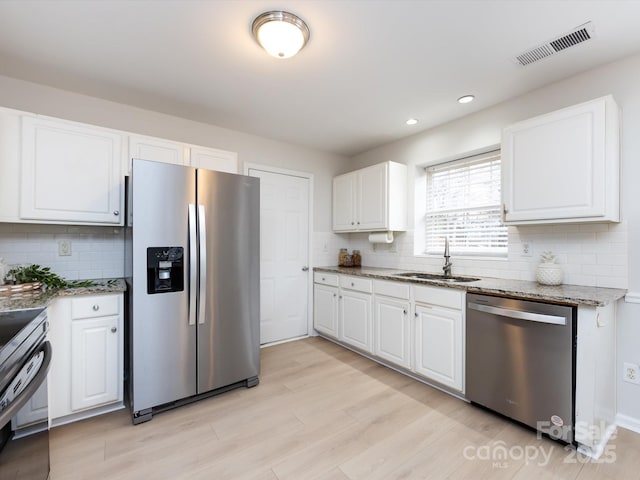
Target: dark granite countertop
563, 294
42, 298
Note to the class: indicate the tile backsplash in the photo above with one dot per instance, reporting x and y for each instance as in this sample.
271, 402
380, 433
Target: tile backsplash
96, 252
589, 254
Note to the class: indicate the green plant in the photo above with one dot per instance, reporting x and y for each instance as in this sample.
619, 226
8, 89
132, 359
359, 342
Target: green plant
36, 273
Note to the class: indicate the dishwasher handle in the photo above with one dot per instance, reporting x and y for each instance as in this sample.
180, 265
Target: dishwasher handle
518, 314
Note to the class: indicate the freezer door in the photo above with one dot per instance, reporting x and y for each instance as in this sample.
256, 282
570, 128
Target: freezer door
229, 295
163, 347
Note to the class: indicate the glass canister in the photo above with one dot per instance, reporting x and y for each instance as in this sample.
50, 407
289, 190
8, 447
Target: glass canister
348, 261
343, 253
357, 258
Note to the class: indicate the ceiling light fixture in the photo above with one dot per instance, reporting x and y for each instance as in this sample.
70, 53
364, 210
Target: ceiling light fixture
281, 34
466, 99
411, 121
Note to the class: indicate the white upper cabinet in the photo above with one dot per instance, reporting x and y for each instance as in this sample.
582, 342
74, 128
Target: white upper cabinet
344, 200
10, 165
158, 150
167, 151
214, 159
563, 167
371, 199
71, 172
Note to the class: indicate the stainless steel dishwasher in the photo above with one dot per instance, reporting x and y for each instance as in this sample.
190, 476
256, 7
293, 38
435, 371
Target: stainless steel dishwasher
520, 361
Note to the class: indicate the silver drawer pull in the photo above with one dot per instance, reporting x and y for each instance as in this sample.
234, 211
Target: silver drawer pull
116, 212
96, 308
114, 329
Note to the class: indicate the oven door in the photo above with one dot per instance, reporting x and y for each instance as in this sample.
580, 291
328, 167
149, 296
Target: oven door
26, 457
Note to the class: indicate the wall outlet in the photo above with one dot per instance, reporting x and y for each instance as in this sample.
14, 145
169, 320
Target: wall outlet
526, 249
64, 248
631, 373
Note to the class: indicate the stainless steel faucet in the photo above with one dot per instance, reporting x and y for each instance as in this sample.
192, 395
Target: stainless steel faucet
446, 268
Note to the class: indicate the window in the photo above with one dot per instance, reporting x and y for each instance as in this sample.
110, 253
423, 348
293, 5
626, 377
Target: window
464, 205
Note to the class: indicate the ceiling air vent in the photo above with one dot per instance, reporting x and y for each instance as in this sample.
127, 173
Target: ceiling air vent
578, 35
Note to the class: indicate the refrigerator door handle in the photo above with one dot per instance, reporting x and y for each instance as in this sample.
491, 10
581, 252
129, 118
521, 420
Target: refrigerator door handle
193, 264
202, 230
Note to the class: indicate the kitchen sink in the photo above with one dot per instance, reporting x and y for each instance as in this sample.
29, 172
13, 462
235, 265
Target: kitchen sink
436, 276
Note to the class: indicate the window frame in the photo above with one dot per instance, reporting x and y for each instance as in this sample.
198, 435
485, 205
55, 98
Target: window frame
492, 208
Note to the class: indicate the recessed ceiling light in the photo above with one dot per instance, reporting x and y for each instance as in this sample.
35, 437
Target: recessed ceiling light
466, 99
411, 121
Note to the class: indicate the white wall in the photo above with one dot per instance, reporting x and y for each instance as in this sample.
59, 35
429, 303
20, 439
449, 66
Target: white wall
39, 243
482, 129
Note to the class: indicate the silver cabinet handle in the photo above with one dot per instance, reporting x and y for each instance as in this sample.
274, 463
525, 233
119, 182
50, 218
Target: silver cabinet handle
404, 312
116, 212
334, 295
114, 329
323, 279
353, 284
415, 314
305, 269
96, 308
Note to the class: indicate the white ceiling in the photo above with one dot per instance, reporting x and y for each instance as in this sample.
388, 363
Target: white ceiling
369, 65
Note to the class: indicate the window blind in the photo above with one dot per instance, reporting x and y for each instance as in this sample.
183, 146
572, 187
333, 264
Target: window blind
464, 205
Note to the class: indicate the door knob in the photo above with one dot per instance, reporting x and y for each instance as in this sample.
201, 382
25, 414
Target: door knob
305, 269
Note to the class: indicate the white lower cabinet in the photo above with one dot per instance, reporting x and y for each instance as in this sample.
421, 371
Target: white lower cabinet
36, 410
86, 373
376, 317
438, 345
94, 361
355, 319
392, 325
325, 309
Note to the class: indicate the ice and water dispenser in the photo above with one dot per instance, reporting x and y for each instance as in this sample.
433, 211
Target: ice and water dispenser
165, 269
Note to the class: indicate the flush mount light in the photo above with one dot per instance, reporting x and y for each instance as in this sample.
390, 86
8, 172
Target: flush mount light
411, 121
281, 34
466, 99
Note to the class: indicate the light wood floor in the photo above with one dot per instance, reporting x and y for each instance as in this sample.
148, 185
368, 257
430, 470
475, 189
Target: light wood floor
323, 412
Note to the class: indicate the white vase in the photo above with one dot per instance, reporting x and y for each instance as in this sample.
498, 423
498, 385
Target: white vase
549, 274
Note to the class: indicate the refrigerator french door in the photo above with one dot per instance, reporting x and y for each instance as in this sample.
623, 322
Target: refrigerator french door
193, 246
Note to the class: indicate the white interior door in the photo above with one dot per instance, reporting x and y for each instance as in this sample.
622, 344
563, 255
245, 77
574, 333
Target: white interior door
284, 255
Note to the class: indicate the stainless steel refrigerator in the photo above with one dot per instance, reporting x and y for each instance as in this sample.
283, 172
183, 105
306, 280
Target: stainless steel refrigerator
192, 267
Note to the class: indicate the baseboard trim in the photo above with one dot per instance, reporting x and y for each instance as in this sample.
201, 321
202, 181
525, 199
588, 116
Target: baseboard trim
628, 422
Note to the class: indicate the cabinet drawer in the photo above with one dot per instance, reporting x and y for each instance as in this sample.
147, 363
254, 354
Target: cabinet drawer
445, 297
391, 289
330, 279
356, 283
97, 306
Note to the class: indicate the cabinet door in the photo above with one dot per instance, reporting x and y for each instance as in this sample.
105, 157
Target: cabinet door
70, 172
213, 159
438, 345
392, 330
372, 198
355, 319
158, 150
36, 410
563, 166
344, 198
325, 310
94, 362
10, 124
